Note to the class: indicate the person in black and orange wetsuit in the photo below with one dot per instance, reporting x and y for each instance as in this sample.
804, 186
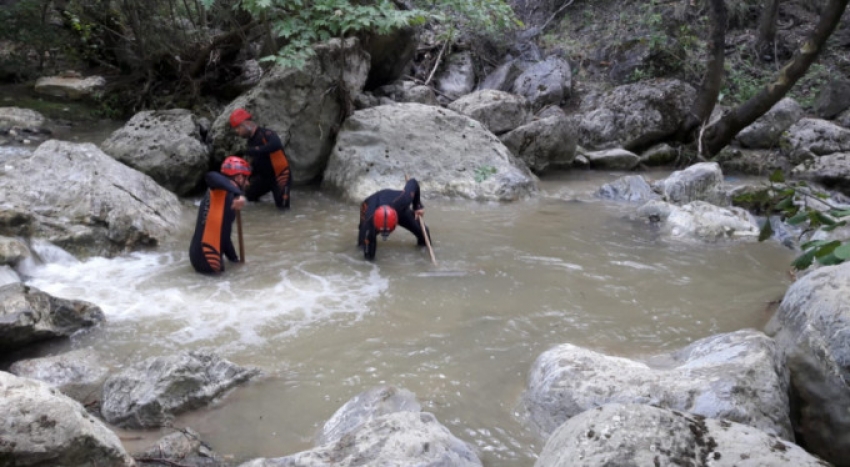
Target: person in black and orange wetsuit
381, 211
211, 241
269, 165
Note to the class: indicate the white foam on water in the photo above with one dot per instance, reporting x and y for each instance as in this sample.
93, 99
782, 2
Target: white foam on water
244, 307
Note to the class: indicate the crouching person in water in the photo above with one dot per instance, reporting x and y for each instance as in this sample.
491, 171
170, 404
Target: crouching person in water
224, 197
381, 211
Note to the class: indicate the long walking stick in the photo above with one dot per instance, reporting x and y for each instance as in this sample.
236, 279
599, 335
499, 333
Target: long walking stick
239, 232
427, 240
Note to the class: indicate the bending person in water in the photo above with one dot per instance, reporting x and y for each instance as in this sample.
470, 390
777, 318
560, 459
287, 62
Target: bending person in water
224, 197
381, 211
269, 163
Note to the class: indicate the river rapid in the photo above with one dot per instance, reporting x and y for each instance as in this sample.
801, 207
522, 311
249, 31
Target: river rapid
512, 280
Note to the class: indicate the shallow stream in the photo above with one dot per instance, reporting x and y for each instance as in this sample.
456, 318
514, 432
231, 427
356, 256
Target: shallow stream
512, 280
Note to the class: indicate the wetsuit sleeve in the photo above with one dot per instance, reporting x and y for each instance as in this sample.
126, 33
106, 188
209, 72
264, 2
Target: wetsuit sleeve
218, 181
368, 237
411, 188
272, 144
228, 249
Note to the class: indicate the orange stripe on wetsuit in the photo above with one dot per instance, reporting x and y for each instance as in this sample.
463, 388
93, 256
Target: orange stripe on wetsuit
280, 166
211, 241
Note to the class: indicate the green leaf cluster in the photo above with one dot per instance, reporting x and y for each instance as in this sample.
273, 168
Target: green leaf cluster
300, 24
484, 172
791, 202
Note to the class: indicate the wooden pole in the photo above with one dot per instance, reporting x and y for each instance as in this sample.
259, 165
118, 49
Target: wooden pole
239, 232
427, 240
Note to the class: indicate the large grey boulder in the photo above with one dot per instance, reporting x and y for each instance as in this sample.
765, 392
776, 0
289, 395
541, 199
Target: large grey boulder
28, 315
640, 435
79, 198
736, 376
42, 428
811, 328
699, 182
541, 144
77, 374
633, 115
545, 82
810, 138
150, 393
448, 153
765, 131
165, 144
831, 171
381, 427
498, 111
305, 107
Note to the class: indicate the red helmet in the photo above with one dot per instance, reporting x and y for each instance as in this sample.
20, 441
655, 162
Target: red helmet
234, 165
385, 219
238, 116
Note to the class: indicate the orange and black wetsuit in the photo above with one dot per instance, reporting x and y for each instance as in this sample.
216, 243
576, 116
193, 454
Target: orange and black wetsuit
401, 201
215, 220
269, 168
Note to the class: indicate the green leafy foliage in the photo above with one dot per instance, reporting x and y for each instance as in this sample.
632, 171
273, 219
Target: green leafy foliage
28, 37
484, 172
302, 23
799, 205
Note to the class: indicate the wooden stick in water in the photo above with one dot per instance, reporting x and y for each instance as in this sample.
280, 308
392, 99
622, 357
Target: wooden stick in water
427, 240
239, 232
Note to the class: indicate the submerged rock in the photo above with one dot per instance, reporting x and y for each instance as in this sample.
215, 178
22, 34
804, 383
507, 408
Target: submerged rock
28, 315
381, 427
150, 393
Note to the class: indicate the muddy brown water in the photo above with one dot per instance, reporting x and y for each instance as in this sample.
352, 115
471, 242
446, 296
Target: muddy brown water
512, 280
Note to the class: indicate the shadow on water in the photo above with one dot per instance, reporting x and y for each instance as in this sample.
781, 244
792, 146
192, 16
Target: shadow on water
512, 280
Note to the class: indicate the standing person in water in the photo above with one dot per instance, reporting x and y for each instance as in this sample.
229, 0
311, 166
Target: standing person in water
381, 211
224, 197
269, 165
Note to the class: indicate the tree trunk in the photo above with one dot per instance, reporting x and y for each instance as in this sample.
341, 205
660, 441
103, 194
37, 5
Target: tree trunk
767, 31
712, 80
722, 132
